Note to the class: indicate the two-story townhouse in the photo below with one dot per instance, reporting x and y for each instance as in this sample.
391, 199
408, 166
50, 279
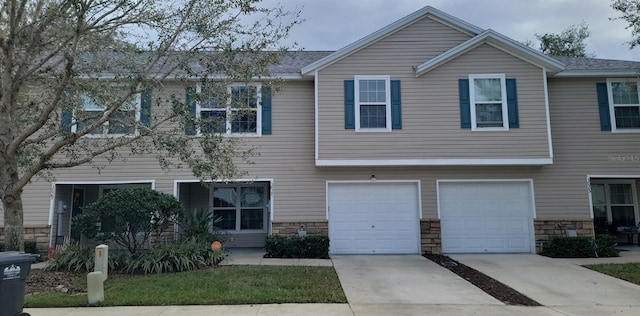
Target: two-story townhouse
430, 134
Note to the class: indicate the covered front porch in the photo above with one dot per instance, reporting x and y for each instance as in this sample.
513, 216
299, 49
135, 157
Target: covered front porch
243, 207
614, 202
69, 199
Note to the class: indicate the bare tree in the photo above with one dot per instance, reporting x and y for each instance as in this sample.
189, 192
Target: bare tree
70, 70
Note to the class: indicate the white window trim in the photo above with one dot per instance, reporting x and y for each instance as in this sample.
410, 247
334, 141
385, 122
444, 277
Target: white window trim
472, 97
238, 186
228, 132
105, 125
612, 112
608, 204
387, 104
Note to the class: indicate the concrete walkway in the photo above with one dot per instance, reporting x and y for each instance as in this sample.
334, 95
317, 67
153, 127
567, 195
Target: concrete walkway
560, 284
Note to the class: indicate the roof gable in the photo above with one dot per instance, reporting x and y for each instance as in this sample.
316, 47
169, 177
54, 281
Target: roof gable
390, 29
498, 41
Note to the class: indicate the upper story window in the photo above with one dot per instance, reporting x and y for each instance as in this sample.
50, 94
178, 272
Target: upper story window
121, 122
624, 104
488, 102
236, 111
373, 103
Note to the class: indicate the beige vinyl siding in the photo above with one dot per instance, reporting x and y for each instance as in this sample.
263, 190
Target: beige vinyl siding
287, 157
580, 149
431, 113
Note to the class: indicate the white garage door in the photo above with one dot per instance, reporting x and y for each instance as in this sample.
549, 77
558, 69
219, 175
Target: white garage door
485, 217
373, 218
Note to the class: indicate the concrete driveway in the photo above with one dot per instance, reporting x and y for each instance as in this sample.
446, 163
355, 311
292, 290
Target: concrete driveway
559, 284
403, 279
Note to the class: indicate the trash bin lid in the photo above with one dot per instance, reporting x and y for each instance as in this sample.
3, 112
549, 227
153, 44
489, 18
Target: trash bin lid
11, 257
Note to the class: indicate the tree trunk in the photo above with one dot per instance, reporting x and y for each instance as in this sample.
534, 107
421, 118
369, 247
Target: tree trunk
13, 224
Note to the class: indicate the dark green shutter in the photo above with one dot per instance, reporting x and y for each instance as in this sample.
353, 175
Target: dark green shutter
145, 108
465, 103
603, 105
266, 110
349, 105
190, 126
512, 103
66, 117
396, 105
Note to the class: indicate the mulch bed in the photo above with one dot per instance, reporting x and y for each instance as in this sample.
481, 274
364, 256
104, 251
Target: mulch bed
40, 281
489, 285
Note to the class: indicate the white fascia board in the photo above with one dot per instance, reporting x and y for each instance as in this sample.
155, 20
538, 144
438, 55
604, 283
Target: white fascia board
496, 40
389, 29
433, 162
598, 73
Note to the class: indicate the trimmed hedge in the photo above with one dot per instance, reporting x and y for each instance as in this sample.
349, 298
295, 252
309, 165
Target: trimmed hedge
29, 246
580, 247
297, 247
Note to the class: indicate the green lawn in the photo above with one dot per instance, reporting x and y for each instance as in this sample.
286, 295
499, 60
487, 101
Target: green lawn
626, 271
221, 285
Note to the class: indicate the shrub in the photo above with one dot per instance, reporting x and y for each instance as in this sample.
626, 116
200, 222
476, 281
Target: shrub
580, 247
29, 246
128, 216
607, 246
297, 247
187, 255
73, 257
184, 256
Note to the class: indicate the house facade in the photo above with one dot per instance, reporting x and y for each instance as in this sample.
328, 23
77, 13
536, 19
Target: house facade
429, 135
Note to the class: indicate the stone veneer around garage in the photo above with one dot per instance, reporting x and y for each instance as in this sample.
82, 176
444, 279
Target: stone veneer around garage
291, 228
431, 238
544, 229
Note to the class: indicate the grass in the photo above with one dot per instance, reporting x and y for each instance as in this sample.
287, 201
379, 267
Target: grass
227, 285
625, 271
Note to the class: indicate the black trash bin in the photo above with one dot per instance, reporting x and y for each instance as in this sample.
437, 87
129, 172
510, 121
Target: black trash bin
15, 267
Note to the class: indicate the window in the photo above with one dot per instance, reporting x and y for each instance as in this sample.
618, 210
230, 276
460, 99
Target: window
624, 104
121, 122
614, 202
373, 103
237, 114
488, 102
242, 207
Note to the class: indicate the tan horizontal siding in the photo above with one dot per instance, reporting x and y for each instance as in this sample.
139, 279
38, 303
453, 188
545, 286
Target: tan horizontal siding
430, 104
580, 149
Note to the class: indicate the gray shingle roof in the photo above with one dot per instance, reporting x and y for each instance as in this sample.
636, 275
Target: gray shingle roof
582, 63
295, 60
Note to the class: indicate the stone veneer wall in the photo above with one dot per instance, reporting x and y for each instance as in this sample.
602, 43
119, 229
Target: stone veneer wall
38, 233
544, 229
291, 228
430, 236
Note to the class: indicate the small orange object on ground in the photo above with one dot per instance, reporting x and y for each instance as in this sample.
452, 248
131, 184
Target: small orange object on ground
216, 245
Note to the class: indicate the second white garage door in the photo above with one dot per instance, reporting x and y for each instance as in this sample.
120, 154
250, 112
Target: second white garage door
485, 217
373, 218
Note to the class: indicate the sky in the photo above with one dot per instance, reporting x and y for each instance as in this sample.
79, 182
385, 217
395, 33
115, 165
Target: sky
333, 24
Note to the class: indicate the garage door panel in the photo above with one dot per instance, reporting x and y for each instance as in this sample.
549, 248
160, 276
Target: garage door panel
485, 216
373, 218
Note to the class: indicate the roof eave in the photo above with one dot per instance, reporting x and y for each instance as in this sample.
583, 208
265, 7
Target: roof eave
498, 41
391, 28
598, 73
